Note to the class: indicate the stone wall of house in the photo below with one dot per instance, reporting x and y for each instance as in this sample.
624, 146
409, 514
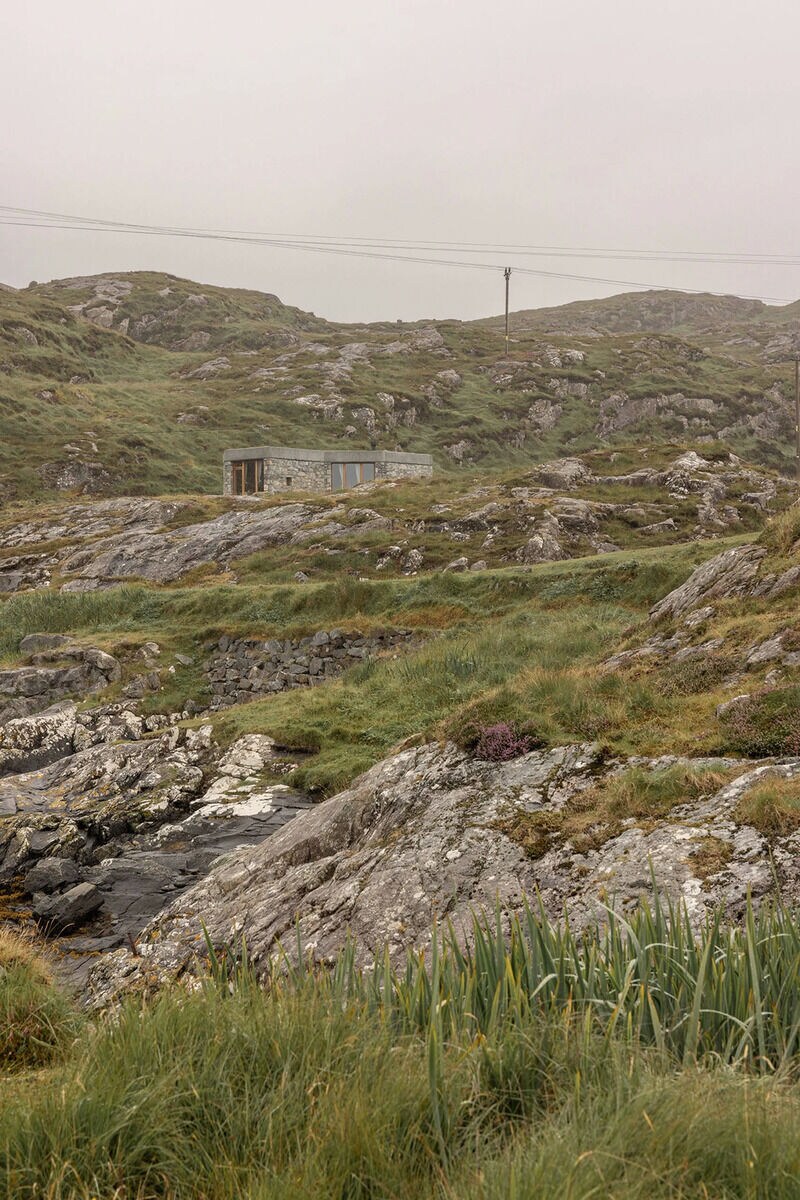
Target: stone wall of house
314, 474
305, 474
244, 669
403, 470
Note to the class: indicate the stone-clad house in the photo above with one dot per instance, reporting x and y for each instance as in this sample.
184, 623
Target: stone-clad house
285, 468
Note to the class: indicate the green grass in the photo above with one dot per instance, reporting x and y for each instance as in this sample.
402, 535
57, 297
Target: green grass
591, 817
82, 385
506, 645
646, 1061
37, 1021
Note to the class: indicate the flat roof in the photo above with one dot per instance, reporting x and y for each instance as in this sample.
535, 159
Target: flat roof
326, 456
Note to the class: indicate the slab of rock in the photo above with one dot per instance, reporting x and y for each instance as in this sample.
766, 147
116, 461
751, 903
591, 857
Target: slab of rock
162, 557
731, 573
70, 909
416, 839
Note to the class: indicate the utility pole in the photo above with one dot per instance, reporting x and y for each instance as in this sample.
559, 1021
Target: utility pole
797, 414
507, 275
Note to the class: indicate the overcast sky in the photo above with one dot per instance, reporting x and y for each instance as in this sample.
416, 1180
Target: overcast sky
628, 123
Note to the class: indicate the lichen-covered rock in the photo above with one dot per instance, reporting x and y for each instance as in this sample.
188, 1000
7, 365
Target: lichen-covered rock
164, 556
27, 743
731, 573
420, 837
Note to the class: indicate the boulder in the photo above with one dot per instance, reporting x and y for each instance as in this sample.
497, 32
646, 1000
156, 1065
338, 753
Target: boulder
564, 474
50, 874
70, 909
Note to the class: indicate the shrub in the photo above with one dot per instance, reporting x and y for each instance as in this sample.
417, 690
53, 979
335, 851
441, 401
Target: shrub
765, 723
502, 742
695, 675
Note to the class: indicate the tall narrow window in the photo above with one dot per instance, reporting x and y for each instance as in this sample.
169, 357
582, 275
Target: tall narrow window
247, 476
350, 475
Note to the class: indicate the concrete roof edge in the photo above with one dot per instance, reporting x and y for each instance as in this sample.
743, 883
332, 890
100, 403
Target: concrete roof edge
242, 453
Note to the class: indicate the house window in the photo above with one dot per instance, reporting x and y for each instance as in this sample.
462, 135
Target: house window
288, 481
350, 475
247, 476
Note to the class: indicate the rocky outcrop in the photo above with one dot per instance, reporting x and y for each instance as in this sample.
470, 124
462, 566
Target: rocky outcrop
75, 522
421, 837
27, 743
246, 668
62, 670
105, 813
736, 572
728, 574
162, 557
564, 474
210, 369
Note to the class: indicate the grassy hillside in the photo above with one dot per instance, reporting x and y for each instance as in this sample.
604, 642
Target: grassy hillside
650, 1061
649, 311
136, 383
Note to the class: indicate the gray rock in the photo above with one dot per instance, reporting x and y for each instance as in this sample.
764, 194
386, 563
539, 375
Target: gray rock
163, 557
69, 909
564, 473
731, 573
545, 544
766, 651
416, 839
50, 874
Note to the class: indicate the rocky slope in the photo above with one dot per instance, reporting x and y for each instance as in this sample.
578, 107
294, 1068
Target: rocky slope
424, 837
564, 509
542, 680
139, 381
105, 814
434, 833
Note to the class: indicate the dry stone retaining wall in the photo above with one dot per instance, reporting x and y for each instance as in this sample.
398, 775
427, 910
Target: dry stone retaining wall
243, 669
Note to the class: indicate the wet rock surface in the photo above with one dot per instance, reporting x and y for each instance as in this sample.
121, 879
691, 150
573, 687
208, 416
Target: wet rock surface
105, 815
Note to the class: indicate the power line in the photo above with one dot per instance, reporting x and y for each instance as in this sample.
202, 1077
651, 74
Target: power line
732, 256
383, 250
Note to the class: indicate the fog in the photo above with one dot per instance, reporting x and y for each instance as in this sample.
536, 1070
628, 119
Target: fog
564, 123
